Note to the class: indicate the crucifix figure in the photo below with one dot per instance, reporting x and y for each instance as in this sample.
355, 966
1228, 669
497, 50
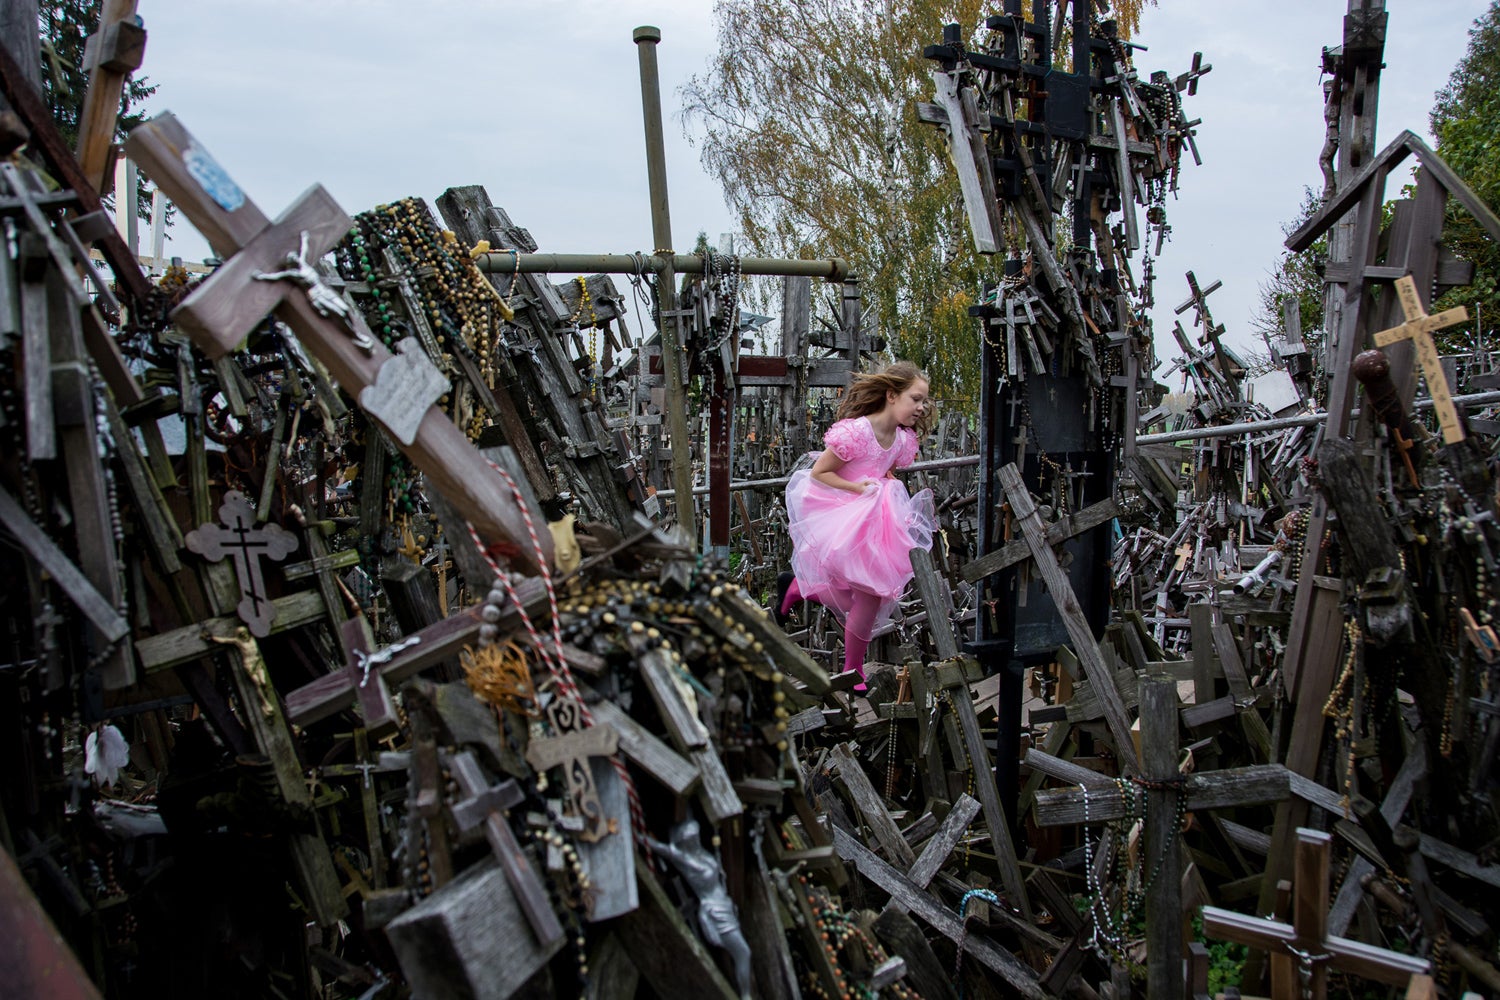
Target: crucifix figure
324, 299
717, 917
1306, 939
242, 541
1419, 328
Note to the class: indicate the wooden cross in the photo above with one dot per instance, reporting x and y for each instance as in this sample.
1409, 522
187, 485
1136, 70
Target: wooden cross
1086, 646
372, 695
484, 805
1097, 799
232, 301
1419, 328
243, 542
323, 565
441, 567
1198, 301
1306, 939
111, 54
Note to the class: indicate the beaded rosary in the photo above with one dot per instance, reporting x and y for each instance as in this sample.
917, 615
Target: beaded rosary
1108, 936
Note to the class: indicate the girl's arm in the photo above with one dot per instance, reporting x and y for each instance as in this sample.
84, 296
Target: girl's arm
826, 471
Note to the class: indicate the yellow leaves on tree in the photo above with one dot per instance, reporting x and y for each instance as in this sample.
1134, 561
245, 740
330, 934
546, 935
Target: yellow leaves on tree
807, 115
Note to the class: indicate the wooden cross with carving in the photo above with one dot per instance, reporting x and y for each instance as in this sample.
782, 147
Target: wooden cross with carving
396, 389
239, 539
1313, 950
1419, 328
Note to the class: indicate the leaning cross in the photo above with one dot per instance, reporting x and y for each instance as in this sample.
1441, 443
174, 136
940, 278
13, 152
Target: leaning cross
1418, 328
226, 307
242, 541
376, 706
1306, 938
483, 805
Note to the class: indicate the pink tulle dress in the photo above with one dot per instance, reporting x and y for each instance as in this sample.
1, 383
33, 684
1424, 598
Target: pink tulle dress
843, 541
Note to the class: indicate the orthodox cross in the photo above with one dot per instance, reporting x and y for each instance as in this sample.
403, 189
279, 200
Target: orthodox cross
234, 299
1306, 939
239, 539
1419, 328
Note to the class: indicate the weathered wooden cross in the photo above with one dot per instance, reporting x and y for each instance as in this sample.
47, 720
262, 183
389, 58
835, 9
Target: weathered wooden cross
239, 539
233, 300
1096, 799
484, 804
1306, 939
1419, 328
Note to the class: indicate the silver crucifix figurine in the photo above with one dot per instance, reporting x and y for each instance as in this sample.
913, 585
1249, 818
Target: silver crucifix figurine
324, 299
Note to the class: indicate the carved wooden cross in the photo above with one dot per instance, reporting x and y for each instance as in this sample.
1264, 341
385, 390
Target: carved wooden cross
243, 542
1198, 300
484, 805
232, 301
370, 691
1419, 328
1306, 939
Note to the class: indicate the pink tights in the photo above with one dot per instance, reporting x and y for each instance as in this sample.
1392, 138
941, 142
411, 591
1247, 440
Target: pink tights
858, 624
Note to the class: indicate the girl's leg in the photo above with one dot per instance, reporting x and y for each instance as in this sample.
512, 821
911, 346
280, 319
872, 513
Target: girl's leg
793, 595
858, 625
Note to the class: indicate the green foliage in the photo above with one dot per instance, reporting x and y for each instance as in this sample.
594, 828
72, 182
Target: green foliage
1466, 121
1226, 960
808, 118
1298, 275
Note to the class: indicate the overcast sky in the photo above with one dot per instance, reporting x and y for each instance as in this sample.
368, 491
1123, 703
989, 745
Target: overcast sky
539, 101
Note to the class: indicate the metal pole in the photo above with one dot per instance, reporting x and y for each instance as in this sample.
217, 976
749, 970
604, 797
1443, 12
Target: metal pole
505, 262
772, 484
1281, 423
646, 38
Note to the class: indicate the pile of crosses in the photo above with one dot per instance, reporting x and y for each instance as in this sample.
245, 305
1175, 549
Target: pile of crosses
1285, 708
311, 689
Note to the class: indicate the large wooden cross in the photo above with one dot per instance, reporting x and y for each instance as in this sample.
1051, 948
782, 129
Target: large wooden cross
1306, 940
1419, 328
238, 296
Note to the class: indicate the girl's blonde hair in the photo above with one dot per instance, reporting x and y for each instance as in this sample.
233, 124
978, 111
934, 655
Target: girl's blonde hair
867, 393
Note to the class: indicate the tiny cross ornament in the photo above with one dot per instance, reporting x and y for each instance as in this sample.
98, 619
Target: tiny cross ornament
239, 539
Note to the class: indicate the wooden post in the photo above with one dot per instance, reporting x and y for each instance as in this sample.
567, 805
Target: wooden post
110, 56
1086, 646
1159, 739
646, 39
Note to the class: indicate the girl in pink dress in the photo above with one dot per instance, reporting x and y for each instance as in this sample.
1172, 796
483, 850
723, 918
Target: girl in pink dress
852, 523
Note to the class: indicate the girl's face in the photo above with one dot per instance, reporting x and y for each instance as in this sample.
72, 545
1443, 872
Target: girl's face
908, 405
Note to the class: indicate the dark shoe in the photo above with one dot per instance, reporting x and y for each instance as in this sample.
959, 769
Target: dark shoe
783, 584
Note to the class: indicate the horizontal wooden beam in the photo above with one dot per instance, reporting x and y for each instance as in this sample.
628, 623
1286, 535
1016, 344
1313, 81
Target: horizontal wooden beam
1233, 786
186, 644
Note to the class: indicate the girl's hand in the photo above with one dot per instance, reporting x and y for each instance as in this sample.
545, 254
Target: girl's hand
865, 484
